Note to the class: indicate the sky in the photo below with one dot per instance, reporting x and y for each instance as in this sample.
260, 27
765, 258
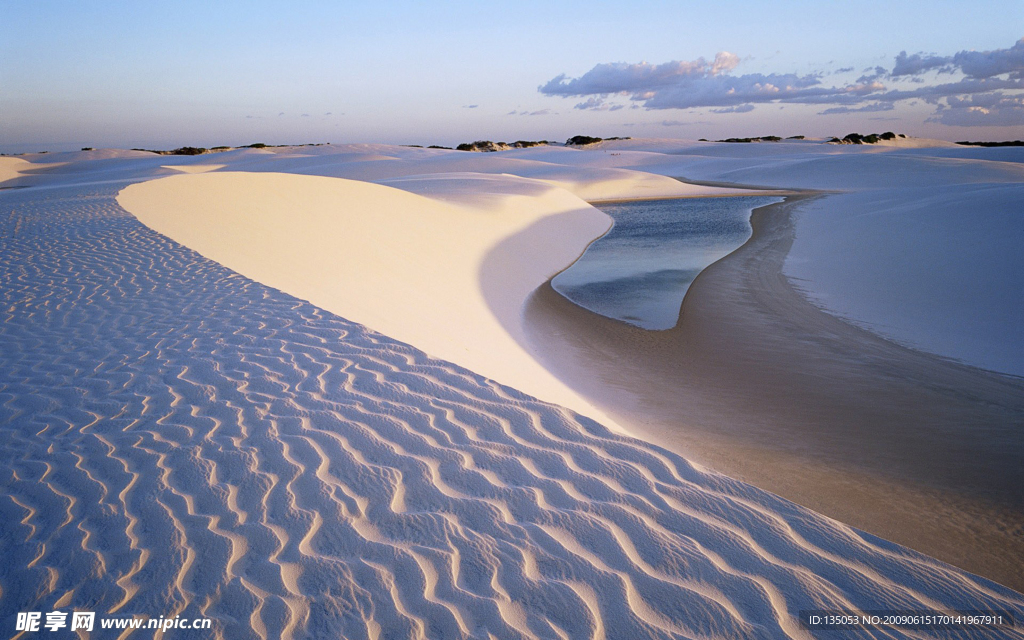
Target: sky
163, 75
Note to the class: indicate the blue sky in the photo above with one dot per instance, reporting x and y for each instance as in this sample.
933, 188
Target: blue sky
160, 75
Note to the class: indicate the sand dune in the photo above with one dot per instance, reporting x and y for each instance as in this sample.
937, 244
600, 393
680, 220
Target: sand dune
181, 439
11, 168
450, 277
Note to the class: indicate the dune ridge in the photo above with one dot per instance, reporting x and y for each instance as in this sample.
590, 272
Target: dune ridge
184, 440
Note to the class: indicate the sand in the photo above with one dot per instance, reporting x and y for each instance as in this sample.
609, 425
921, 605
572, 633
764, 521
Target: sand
182, 439
449, 276
757, 382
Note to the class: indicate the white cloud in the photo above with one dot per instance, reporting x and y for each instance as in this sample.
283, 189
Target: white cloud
743, 108
995, 109
876, 106
592, 103
699, 83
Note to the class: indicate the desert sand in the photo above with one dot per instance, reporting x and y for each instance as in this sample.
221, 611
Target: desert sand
186, 438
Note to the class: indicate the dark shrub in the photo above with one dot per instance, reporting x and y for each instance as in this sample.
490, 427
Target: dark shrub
188, 151
579, 141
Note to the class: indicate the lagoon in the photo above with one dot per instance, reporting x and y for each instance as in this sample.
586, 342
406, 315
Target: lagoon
640, 270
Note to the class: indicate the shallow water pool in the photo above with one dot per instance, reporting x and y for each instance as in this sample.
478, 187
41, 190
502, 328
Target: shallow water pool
640, 270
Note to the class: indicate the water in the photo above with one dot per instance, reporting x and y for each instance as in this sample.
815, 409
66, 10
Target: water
640, 270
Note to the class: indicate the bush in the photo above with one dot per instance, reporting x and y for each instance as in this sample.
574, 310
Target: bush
580, 141
188, 151
257, 145
483, 145
88, 149
761, 139
1005, 143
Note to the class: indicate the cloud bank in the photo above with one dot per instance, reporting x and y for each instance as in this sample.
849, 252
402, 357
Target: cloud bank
975, 96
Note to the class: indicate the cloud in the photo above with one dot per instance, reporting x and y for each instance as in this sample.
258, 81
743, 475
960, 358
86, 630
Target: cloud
470, 106
681, 123
917, 64
619, 77
973, 64
986, 64
701, 83
542, 112
743, 108
843, 70
594, 103
871, 75
995, 109
876, 106
591, 103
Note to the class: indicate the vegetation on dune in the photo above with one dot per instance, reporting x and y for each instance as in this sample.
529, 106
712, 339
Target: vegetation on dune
188, 151
483, 145
871, 138
487, 145
760, 139
582, 140
1004, 143
88, 149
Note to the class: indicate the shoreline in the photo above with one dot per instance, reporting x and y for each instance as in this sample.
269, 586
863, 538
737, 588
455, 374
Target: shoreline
753, 370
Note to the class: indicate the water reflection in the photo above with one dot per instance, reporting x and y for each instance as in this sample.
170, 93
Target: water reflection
640, 270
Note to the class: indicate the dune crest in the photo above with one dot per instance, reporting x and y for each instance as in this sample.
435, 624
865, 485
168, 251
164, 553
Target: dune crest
404, 264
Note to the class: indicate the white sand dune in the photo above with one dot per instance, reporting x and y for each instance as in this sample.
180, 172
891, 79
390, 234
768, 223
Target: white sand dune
180, 439
11, 168
449, 277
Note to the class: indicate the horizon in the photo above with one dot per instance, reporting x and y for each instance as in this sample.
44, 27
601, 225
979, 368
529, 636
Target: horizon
124, 76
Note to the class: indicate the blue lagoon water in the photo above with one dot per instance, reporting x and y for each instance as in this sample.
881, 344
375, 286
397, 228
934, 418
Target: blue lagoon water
640, 270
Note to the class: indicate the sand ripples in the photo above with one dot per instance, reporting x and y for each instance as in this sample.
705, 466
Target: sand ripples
179, 440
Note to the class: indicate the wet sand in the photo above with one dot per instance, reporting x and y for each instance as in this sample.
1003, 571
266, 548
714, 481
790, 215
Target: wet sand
758, 383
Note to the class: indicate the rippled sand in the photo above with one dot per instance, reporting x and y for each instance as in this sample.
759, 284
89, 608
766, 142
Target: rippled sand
180, 440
